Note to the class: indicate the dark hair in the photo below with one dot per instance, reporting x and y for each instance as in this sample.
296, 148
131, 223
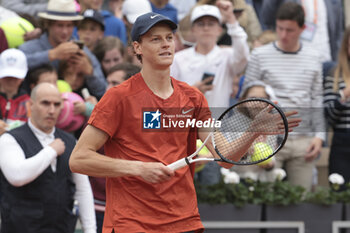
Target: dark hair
82, 22
34, 74
106, 44
291, 11
129, 69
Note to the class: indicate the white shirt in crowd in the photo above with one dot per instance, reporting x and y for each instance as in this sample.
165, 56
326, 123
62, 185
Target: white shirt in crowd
225, 62
316, 13
20, 171
296, 79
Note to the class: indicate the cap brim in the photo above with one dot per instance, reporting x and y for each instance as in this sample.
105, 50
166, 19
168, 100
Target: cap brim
45, 15
201, 16
14, 73
172, 25
96, 21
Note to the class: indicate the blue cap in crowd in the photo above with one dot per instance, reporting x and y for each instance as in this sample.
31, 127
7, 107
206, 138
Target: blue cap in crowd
95, 16
146, 21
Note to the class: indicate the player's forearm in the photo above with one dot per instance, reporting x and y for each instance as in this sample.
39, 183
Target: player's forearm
241, 145
94, 164
238, 147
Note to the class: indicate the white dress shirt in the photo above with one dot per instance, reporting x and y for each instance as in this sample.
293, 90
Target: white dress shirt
320, 40
189, 66
20, 171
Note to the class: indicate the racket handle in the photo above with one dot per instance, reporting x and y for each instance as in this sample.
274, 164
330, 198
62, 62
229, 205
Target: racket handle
178, 164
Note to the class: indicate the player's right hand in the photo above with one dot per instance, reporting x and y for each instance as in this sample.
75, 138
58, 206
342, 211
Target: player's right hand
58, 145
156, 172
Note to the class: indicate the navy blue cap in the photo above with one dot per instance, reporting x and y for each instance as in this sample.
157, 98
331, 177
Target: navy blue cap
95, 16
146, 21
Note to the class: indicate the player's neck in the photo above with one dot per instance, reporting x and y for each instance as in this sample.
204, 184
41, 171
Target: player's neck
204, 48
158, 81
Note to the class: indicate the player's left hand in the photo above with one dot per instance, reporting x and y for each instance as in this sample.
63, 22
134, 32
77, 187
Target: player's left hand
154, 172
314, 149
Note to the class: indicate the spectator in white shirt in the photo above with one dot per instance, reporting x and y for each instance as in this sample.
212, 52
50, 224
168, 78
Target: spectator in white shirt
206, 58
38, 189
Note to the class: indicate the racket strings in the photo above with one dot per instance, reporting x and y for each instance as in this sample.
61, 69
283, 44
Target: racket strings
249, 118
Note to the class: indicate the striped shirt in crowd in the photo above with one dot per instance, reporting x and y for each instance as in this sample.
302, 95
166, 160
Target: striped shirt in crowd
296, 78
338, 113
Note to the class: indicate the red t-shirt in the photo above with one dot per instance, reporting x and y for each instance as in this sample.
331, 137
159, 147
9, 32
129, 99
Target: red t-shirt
132, 204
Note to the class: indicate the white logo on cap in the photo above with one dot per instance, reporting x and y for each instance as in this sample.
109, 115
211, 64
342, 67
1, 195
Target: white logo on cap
89, 13
11, 61
153, 16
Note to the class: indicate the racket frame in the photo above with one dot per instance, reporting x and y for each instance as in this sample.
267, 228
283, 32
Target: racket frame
190, 159
285, 123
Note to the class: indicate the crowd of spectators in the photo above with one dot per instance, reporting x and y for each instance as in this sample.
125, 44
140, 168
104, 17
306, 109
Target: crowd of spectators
295, 52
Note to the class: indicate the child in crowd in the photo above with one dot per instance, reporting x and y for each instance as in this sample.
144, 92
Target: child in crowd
13, 69
91, 28
109, 52
265, 170
44, 73
120, 73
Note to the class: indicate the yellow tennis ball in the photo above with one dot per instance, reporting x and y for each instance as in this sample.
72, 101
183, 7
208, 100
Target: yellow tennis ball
261, 151
199, 168
204, 150
63, 86
14, 29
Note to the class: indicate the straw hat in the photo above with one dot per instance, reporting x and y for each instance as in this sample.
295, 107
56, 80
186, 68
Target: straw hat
61, 10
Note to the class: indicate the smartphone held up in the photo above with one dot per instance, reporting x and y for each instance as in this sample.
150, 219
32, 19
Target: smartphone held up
207, 76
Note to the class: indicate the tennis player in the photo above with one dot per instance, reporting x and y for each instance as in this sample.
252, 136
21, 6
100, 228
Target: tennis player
142, 193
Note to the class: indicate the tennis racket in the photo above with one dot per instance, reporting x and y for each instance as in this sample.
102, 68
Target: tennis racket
254, 120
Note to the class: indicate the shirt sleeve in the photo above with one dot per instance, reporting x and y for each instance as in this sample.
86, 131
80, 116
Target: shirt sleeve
35, 55
106, 113
332, 102
318, 119
253, 75
240, 48
85, 200
204, 112
16, 168
20, 6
